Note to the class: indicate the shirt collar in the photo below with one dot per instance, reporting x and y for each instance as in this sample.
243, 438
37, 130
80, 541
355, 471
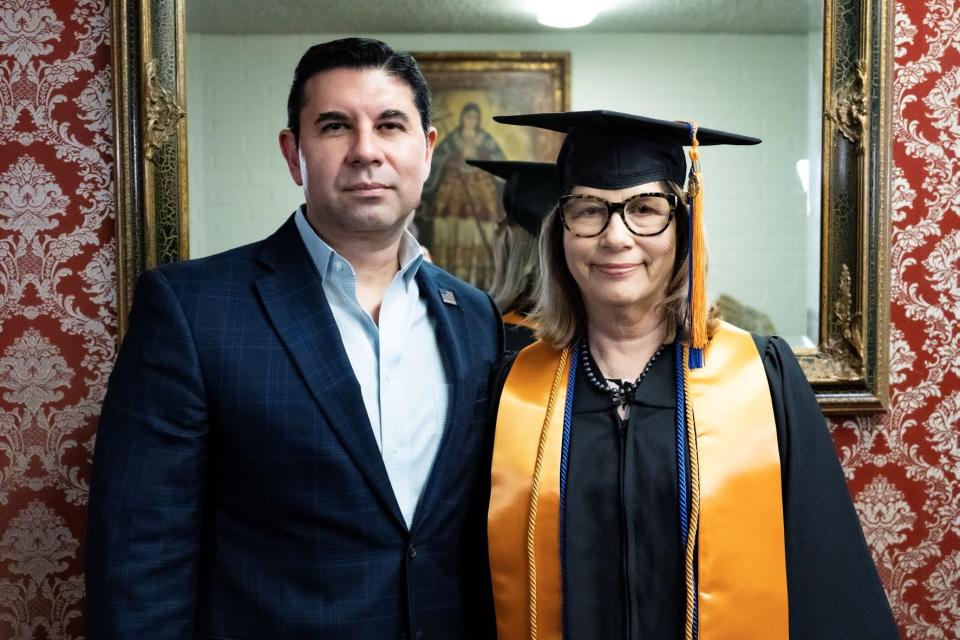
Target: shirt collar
411, 255
322, 254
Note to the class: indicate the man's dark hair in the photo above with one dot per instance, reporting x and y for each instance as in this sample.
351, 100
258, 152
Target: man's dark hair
356, 53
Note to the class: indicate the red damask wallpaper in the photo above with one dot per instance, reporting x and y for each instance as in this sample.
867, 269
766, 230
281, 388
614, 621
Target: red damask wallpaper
58, 310
57, 300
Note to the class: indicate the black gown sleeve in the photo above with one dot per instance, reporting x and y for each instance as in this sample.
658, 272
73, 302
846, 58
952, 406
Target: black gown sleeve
833, 587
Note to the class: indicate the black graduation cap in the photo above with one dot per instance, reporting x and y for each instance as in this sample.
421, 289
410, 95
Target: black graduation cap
611, 150
531, 190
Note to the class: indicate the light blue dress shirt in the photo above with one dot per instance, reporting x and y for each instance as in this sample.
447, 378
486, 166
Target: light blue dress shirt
398, 363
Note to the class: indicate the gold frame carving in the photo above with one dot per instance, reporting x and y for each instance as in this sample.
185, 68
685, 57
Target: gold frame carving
164, 113
849, 368
842, 357
849, 112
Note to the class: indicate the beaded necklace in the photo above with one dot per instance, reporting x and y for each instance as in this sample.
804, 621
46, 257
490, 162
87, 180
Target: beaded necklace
620, 390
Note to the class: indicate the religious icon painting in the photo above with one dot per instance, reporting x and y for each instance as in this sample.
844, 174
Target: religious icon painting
461, 204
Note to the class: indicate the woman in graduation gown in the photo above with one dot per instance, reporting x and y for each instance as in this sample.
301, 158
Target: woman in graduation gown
529, 193
657, 474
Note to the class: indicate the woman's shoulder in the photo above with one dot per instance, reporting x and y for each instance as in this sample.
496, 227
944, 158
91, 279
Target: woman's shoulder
776, 353
769, 345
542, 352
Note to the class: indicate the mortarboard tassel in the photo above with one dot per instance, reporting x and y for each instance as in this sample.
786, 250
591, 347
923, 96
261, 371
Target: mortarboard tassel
697, 300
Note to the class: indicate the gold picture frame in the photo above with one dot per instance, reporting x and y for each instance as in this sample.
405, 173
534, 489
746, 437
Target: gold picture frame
849, 367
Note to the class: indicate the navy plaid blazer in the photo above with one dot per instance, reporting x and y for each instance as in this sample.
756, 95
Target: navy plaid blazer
237, 489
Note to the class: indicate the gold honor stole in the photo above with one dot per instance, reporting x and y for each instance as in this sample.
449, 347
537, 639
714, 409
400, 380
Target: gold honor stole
741, 564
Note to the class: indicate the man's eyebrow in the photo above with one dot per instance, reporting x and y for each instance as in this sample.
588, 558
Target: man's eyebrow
331, 115
394, 114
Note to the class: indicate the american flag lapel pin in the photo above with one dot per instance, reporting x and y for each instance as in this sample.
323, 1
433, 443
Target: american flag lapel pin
447, 296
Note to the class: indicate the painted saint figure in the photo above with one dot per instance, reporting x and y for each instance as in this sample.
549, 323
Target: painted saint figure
464, 200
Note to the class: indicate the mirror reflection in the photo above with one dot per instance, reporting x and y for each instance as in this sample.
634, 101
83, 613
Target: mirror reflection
728, 66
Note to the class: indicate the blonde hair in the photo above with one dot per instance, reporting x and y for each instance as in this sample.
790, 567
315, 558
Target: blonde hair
516, 278
560, 315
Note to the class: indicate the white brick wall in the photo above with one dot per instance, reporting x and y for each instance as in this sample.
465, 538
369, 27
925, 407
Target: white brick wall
756, 209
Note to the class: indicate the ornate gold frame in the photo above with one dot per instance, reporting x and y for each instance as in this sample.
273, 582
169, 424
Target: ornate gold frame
849, 368
556, 64
150, 134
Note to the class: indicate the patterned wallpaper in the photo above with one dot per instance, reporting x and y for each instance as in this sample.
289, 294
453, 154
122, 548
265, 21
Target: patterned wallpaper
57, 318
57, 300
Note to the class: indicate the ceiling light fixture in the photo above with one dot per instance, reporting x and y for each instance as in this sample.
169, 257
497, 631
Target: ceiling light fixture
567, 14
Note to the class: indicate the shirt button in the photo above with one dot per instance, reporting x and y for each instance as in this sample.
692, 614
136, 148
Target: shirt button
339, 266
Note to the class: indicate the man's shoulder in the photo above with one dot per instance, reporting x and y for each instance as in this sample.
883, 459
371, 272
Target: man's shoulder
238, 265
233, 264
481, 319
479, 311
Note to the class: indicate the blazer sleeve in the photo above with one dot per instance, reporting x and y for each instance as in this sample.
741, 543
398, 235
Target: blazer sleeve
480, 620
143, 532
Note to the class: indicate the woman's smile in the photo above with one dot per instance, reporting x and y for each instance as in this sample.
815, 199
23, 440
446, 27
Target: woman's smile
617, 269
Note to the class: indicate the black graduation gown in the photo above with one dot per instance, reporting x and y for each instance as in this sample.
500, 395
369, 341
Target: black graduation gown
516, 337
624, 560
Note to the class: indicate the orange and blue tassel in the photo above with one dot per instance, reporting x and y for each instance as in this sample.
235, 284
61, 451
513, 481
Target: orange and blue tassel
697, 293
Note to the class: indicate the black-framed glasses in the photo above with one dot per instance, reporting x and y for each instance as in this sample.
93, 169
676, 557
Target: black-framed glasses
644, 214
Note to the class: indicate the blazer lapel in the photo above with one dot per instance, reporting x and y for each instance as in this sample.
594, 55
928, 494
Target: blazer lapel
293, 297
452, 334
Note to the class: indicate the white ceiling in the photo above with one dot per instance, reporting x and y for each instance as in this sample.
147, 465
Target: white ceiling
496, 16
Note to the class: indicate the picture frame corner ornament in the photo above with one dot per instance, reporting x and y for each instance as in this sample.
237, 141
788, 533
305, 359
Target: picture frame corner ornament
849, 107
163, 112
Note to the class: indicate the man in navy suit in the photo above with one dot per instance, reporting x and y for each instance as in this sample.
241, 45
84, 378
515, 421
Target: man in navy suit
291, 442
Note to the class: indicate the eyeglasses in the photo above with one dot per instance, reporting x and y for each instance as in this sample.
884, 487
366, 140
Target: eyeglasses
644, 214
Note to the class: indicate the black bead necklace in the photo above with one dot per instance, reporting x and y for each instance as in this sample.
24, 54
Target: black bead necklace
622, 390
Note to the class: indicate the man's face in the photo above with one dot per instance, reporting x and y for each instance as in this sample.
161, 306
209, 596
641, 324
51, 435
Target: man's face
363, 156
